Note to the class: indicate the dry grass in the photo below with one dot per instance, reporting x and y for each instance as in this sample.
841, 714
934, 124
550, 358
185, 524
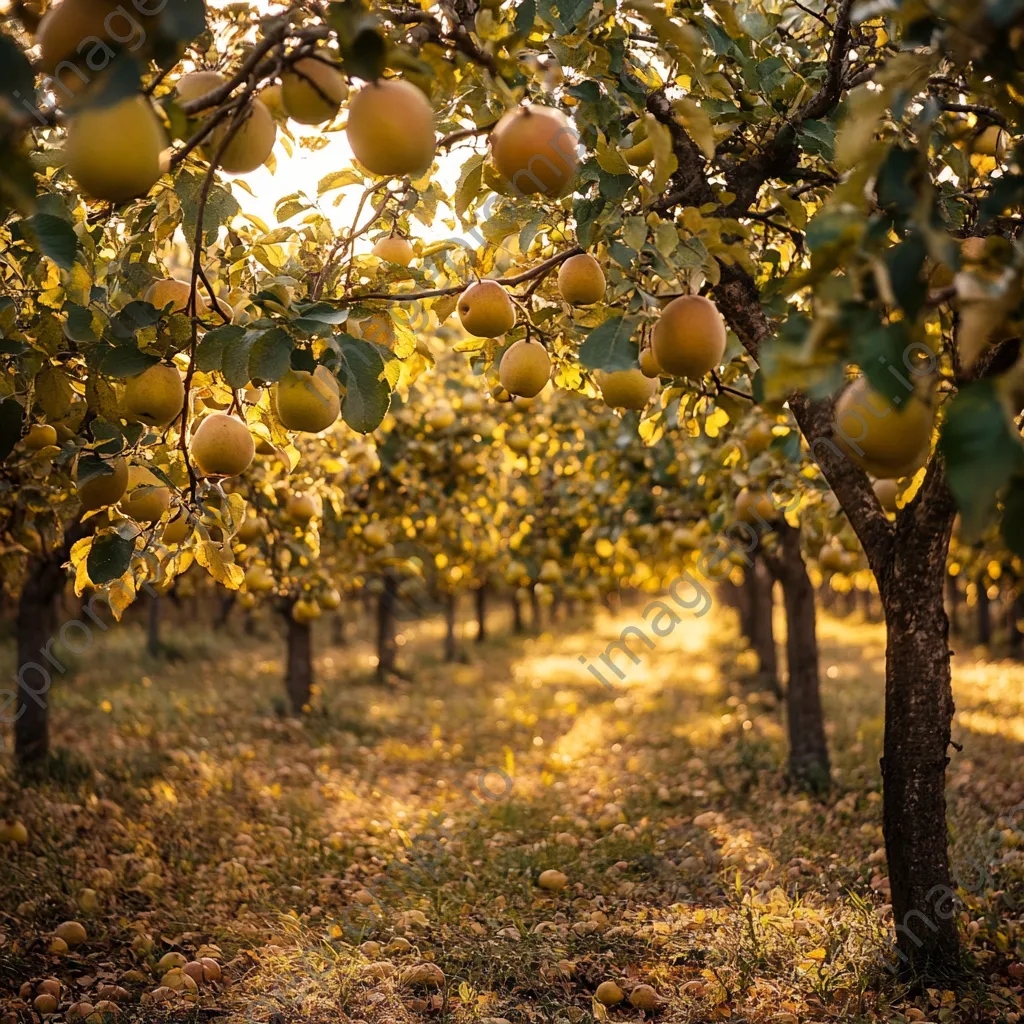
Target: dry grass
423, 815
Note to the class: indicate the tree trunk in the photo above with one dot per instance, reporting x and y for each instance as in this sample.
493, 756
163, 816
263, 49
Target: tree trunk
227, 602
450, 618
953, 598
536, 623
481, 613
153, 627
338, 636
984, 613
386, 647
299, 677
918, 716
517, 615
808, 749
762, 598
36, 624
744, 599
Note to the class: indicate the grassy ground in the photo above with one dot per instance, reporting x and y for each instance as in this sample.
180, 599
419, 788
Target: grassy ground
327, 865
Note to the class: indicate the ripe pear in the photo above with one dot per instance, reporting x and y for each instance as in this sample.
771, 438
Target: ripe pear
68, 31
552, 880
535, 150
609, 993
196, 84
581, 280
146, 498
301, 508
330, 600
156, 396
252, 529
391, 128
177, 530
689, 337
886, 491
40, 435
518, 440
170, 294
648, 363
114, 152
394, 249
992, 141
882, 437
626, 389
312, 92
641, 152
258, 579
375, 534
107, 489
251, 143
222, 446
644, 997
486, 311
271, 98
72, 932
307, 401
750, 505
525, 368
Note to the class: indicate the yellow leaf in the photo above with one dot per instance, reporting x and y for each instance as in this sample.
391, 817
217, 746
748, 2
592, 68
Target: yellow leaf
697, 124
609, 158
223, 570
665, 162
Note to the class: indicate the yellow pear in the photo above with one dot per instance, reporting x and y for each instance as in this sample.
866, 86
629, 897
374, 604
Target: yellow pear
750, 505
271, 98
251, 143
885, 438
301, 508
330, 600
535, 150
172, 295
886, 491
486, 310
395, 249
375, 534
258, 579
252, 529
305, 610
307, 401
641, 152
581, 280
106, 489
689, 337
648, 363
626, 389
992, 141
196, 84
525, 368
312, 92
114, 152
146, 499
40, 435
222, 446
391, 128
156, 396
177, 530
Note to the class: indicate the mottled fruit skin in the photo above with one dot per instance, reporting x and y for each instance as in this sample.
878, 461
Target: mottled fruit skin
251, 144
486, 311
307, 401
887, 439
156, 396
689, 337
222, 446
581, 281
395, 249
114, 152
626, 389
107, 489
391, 128
525, 368
535, 150
312, 92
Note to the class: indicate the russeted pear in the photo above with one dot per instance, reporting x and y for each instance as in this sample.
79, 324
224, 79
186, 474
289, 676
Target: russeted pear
156, 396
535, 150
689, 337
391, 128
581, 281
626, 389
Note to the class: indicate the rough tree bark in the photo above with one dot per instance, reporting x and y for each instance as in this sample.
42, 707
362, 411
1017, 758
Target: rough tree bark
805, 722
762, 639
953, 604
299, 666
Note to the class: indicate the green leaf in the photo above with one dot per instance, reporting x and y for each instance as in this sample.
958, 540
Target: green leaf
11, 416
270, 356
817, 138
368, 394
109, 558
126, 361
526, 12
53, 237
220, 207
610, 346
210, 350
235, 359
982, 451
1012, 526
